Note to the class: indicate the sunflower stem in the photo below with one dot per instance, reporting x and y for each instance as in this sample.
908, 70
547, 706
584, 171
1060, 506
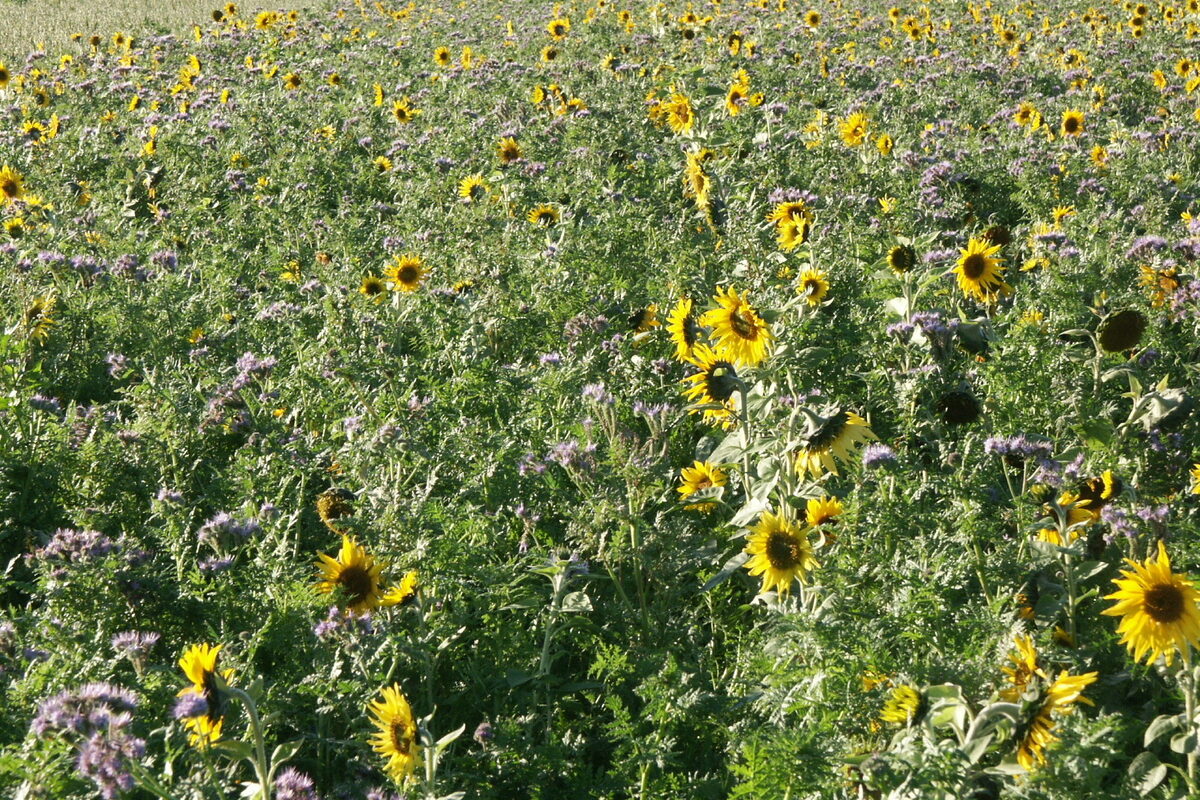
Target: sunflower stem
1187, 681
261, 768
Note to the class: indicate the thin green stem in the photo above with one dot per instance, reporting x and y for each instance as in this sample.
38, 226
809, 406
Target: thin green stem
261, 768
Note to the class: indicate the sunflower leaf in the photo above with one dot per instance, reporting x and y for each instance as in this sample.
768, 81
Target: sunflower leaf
1147, 772
1159, 727
731, 566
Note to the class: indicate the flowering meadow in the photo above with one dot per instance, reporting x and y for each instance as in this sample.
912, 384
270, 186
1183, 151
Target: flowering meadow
603, 400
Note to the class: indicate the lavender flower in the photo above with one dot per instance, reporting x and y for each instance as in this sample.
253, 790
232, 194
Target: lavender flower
189, 705
878, 456
294, 785
72, 546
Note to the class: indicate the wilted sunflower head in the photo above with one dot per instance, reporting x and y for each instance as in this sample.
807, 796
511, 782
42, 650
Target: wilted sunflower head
906, 706
959, 407
1121, 331
334, 504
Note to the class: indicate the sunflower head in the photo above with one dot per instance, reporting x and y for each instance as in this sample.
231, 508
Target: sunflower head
508, 150
698, 477
853, 129
406, 273
644, 319
472, 188
684, 329
823, 511
779, 551
374, 288
906, 706
901, 259
829, 440
12, 185
1158, 610
740, 333
1072, 123
404, 592
714, 384
395, 736
333, 505
1035, 733
979, 272
354, 577
544, 216
812, 285
442, 57
1121, 331
199, 664
958, 407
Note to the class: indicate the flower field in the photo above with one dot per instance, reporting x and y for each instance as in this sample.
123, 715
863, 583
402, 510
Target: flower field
603, 400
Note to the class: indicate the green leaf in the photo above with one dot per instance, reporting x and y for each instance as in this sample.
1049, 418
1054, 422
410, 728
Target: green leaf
1184, 742
285, 752
1147, 772
576, 603
234, 748
1161, 726
731, 566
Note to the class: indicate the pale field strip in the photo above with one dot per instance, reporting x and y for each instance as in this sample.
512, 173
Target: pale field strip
26, 23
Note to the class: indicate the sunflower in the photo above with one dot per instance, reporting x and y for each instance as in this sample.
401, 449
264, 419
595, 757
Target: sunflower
901, 258
853, 129
715, 384
684, 329
549, 53
790, 211
1023, 671
821, 510
979, 273
1195, 473
292, 81
39, 316
199, 664
741, 335
1072, 123
792, 233
5, 75
378, 94
1064, 692
679, 113
780, 552
406, 273
396, 739
812, 18
1157, 609
403, 111
559, 28
1098, 492
736, 99
12, 185
472, 188
373, 288
543, 216
442, 57
354, 574
812, 286
701, 475
830, 440
1025, 114
644, 319
905, 706
404, 592
332, 505
1071, 515
508, 150
1121, 331
958, 407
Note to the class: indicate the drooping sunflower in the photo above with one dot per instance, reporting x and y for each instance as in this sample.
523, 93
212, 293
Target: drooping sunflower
906, 706
644, 319
543, 216
199, 664
396, 737
822, 510
684, 329
354, 574
740, 333
780, 552
406, 273
404, 592
12, 185
1158, 610
1023, 671
1099, 492
333, 505
792, 233
472, 188
1072, 123
39, 316
1036, 734
715, 384
829, 440
1121, 331
508, 150
373, 288
1071, 515
812, 285
701, 475
979, 272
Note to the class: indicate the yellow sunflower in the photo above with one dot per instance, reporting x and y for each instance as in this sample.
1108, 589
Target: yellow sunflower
396, 737
543, 216
853, 129
5, 75
715, 384
701, 475
403, 111
559, 28
792, 233
404, 592
1157, 608
406, 273
821, 510
472, 188
508, 150
684, 329
442, 57
1058, 699
679, 113
199, 664
740, 334
12, 185
1072, 123
780, 552
1195, 473
812, 286
979, 274
905, 706
790, 211
1023, 671
901, 259
736, 99
354, 574
644, 319
374, 288
830, 440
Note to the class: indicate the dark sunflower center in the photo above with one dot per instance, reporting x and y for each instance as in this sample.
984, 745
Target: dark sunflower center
407, 274
372, 287
824, 436
811, 286
722, 381
10, 188
1071, 124
400, 739
743, 327
783, 550
212, 697
974, 265
1164, 603
356, 582
703, 483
